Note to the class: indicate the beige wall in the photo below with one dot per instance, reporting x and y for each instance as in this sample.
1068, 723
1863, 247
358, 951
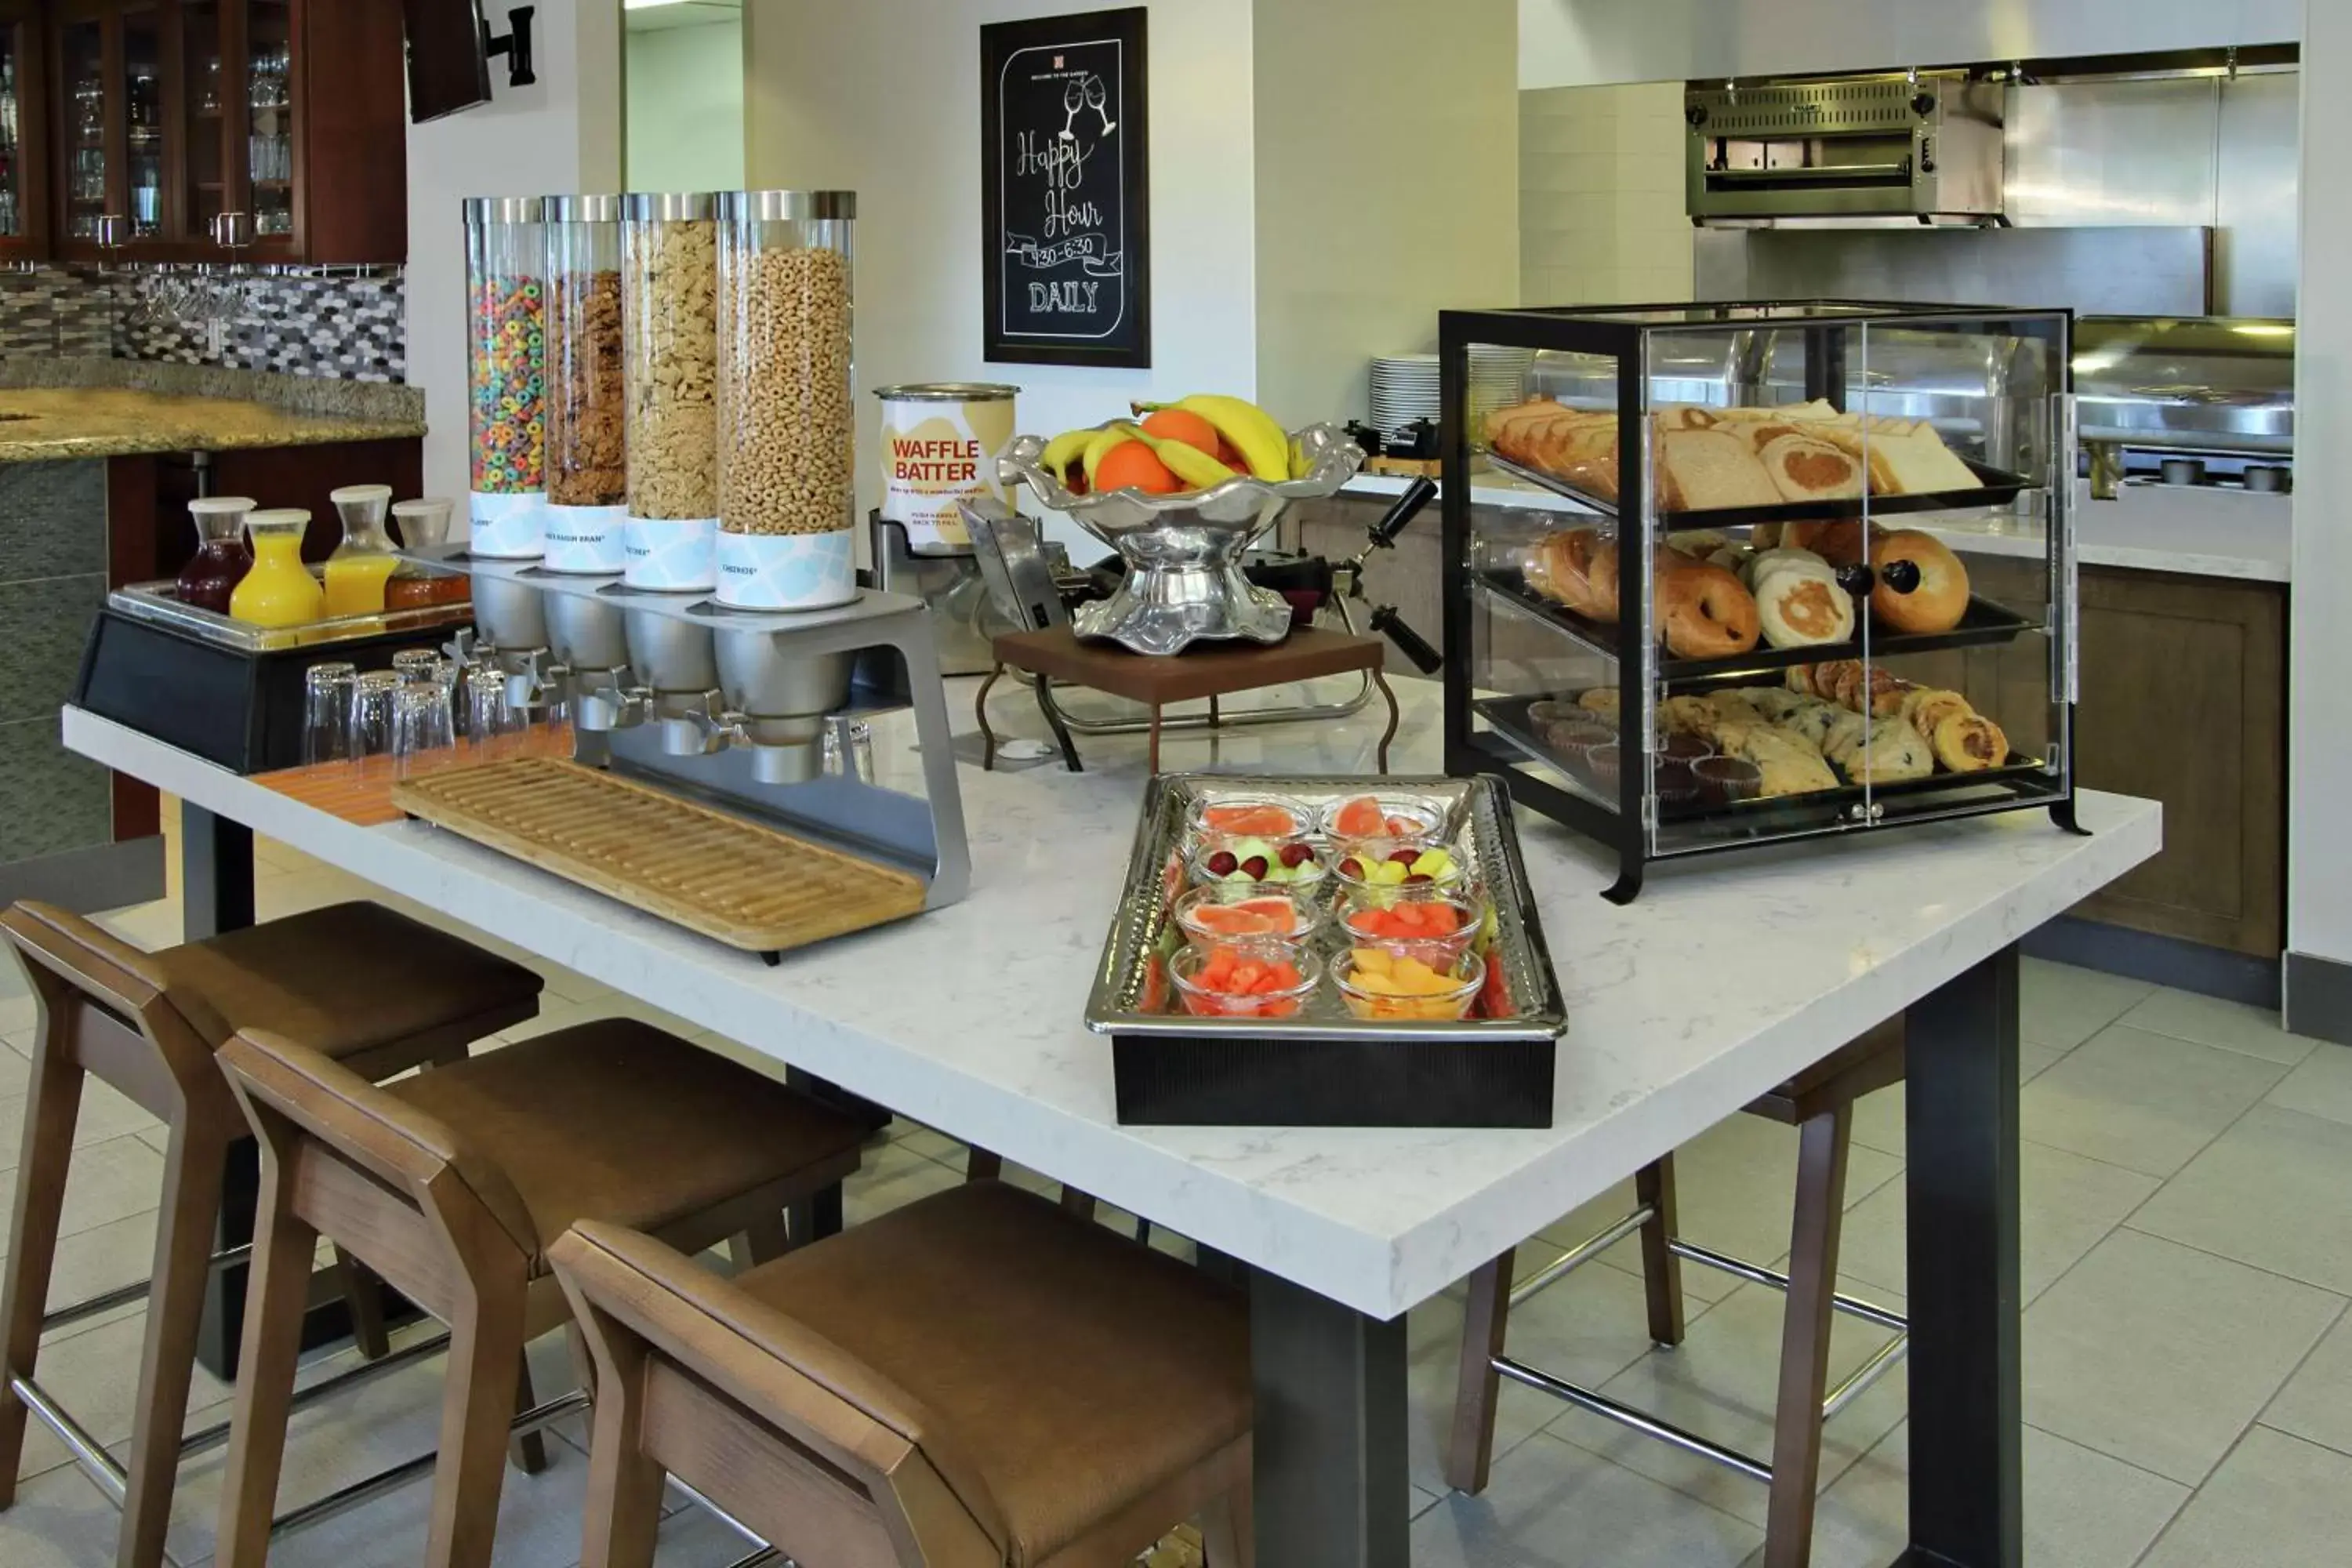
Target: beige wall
686, 108
882, 97
1600, 196
1387, 156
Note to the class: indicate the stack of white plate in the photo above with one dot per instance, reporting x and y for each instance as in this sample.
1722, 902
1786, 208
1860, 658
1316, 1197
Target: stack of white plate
1404, 386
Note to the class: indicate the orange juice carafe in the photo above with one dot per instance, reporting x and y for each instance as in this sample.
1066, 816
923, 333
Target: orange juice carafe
363, 564
279, 590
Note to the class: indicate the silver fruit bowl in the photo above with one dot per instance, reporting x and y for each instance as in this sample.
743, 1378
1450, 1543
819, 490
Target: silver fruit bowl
1183, 553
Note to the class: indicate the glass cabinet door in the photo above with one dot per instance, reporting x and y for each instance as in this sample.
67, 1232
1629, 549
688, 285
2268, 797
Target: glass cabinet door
81, 78
142, 88
268, 77
15, 71
203, 67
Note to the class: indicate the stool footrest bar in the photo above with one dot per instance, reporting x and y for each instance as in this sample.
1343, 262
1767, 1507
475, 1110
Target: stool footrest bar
537, 1417
1863, 1377
1723, 1262
137, 1290
86, 1450
367, 1371
1627, 1415
1576, 1257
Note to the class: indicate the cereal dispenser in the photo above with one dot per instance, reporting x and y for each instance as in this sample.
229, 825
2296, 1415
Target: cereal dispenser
587, 461
505, 353
786, 466
670, 314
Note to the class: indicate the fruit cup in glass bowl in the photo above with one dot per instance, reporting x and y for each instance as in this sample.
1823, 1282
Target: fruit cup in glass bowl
1245, 862
1243, 980
1363, 817
1273, 817
1383, 870
1221, 912
1445, 924
1422, 987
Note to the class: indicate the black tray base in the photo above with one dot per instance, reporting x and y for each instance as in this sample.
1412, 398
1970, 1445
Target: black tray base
1189, 1080
1987, 623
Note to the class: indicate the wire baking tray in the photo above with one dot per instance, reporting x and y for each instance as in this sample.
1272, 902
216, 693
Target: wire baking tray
1477, 818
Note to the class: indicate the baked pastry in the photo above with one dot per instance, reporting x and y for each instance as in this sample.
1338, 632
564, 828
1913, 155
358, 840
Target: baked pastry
1704, 468
1788, 768
1773, 701
1801, 606
1706, 613
1891, 751
1799, 679
1577, 568
1838, 541
1883, 696
1970, 742
1914, 461
1766, 562
1927, 708
1846, 730
1839, 681
1939, 598
1810, 723
1687, 716
1698, 543
1806, 468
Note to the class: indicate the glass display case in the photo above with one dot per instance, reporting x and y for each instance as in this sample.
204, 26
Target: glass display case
23, 190
1770, 580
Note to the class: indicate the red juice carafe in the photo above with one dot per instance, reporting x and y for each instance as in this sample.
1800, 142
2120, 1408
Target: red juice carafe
222, 559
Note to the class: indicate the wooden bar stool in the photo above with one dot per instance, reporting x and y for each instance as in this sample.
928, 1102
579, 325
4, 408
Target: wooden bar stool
1818, 1102
356, 981
978, 1380
444, 1184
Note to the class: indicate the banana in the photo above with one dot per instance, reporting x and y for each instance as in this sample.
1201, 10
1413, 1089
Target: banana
1064, 449
1263, 445
1103, 441
1195, 467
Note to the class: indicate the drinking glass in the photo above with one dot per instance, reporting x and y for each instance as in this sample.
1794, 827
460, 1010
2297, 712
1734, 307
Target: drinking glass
420, 727
849, 747
327, 712
414, 665
372, 718
488, 720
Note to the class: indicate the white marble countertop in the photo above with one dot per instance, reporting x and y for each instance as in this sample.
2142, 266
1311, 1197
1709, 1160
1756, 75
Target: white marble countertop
1726, 976
2210, 532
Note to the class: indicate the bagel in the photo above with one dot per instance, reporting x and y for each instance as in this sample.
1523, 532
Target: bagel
1561, 568
1838, 541
1706, 613
1942, 598
1801, 606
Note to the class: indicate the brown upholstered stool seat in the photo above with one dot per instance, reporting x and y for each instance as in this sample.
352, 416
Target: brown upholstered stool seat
341, 981
1075, 1393
617, 1120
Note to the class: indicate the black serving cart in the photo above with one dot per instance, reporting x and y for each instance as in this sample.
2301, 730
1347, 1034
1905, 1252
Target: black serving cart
1995, 386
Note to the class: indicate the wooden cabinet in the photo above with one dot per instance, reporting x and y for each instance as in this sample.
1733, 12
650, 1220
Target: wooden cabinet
24, 134
258, 131
2184, 700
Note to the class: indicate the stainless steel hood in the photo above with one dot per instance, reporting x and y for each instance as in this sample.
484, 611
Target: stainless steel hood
1882, 146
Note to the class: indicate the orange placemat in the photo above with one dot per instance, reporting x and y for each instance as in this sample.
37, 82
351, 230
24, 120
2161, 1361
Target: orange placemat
360, 792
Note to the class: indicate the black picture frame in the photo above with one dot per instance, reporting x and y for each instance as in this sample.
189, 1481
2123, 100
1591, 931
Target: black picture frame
1066, 209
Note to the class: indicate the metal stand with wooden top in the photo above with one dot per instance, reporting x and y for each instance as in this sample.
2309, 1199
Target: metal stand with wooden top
1202, 671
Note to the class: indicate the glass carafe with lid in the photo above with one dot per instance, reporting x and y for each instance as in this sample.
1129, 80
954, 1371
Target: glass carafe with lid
363, 564
279, 590
221, 560
424, 525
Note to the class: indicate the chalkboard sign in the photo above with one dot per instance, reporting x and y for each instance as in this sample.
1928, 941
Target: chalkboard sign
1066, 251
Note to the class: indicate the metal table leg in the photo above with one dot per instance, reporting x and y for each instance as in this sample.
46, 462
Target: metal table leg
215, 873
1967, 1415
1330, 1470
1382, 680
980, 712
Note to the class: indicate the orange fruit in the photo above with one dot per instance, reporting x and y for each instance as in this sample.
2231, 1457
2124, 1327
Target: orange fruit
1250, 917
1360, 818
1183, 425
1250, 821
1133, 465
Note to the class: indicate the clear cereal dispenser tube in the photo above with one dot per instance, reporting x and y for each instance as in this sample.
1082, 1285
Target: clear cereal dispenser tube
505, 355
669, 264
787, 450
587, 456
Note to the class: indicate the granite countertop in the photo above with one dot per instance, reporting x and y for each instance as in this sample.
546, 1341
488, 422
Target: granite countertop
54, 424
970, 1017
2198, 532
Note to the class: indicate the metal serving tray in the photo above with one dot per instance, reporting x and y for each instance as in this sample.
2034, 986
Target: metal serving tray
1478, 818
158, 604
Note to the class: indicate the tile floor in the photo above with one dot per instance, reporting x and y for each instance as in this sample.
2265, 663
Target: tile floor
2188, 1256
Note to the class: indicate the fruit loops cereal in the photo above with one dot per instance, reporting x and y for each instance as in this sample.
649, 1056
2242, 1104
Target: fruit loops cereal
510, 386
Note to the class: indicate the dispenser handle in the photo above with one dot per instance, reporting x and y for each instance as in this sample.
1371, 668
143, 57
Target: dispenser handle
1408, 507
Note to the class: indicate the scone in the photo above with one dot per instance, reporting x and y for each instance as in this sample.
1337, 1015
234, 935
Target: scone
1812, 720
1892, 752
1772, 702
1786, 766
1970, 742
1687, 716
1846, 730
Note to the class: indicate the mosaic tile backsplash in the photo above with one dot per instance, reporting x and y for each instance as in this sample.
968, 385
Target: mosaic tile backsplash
350, 329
